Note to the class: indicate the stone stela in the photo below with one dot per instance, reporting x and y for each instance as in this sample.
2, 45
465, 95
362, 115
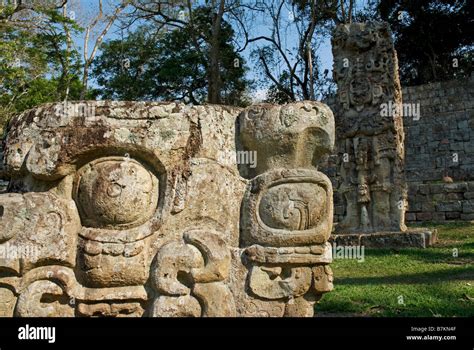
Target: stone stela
370, 144
143, 209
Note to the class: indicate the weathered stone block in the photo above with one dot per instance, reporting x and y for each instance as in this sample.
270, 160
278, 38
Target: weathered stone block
467, 217
468, 206
454, 196
415, 205
439, 217
469, 195
133, 208
449, 206
424, 216
455, 187
438, 197
436, 188
424, 188
428, 206
463, 125
419, 239
350, 239
457, 146
453, 215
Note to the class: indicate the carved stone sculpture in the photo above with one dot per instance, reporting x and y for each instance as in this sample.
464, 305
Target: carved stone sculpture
370, 147
370, 143
142, 209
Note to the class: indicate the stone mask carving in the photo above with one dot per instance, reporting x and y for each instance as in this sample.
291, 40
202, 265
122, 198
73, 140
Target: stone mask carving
142, 209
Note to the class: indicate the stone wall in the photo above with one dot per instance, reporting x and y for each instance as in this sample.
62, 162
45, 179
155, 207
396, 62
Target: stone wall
441, 142
440, 201
438, 144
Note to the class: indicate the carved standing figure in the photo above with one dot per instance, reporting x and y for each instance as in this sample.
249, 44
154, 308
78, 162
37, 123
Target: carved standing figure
370, 143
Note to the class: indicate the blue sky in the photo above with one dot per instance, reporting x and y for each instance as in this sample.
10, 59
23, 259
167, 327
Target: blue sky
84, 11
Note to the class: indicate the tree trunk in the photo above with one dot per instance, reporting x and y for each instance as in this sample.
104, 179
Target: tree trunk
214, 71
89, 59
311, 73
85, 78
66, 77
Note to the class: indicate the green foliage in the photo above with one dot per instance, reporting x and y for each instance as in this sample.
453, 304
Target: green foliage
429, 36
125, 68
171, 65
20, 63
35, 64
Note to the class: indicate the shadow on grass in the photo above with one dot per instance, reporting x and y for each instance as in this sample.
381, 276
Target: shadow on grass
423, 299
435, 303
469, 245
453, 274
445, 226
446, 256
464, 252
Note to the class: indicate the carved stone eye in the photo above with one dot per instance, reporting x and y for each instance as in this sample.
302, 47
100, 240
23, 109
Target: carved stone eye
116, 192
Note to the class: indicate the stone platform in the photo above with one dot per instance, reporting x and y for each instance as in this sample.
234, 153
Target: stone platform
413, 238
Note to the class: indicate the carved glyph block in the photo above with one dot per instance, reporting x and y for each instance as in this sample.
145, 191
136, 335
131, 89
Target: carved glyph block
122, 209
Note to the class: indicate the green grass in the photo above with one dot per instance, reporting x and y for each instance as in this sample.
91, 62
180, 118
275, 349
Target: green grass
432, 282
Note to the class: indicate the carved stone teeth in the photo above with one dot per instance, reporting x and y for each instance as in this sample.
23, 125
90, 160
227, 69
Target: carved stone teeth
286, 250
113, 249
93, 248
271, 251
316, 249
132, 249
302, 250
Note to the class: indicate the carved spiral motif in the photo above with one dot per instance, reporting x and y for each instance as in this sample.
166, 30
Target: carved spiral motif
31, 303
